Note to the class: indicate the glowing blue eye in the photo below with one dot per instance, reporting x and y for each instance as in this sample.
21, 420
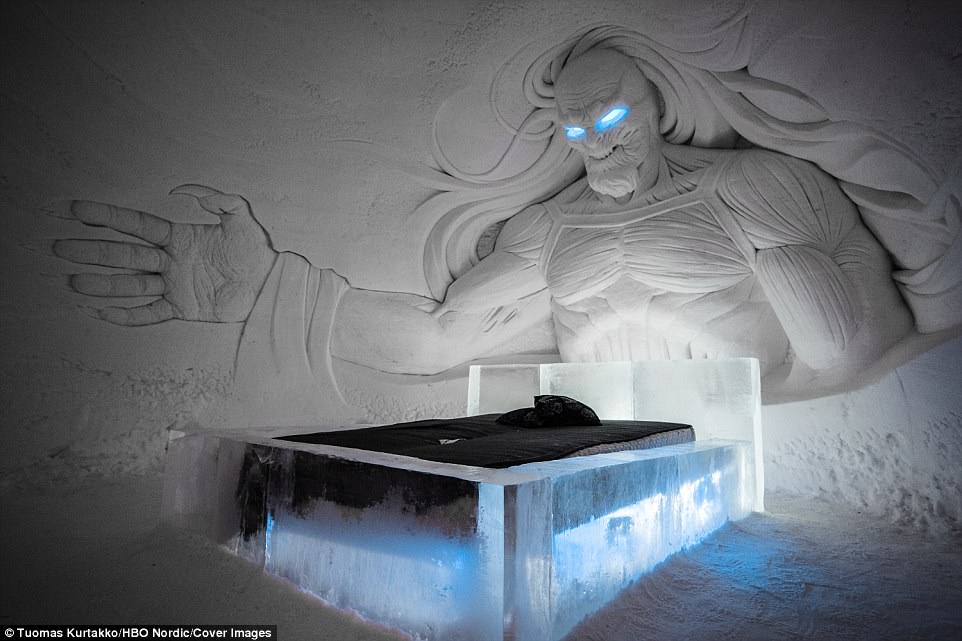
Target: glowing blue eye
611, 118
574, 132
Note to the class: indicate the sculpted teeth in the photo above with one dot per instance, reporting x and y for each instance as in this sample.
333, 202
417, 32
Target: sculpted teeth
615, 157
608, 153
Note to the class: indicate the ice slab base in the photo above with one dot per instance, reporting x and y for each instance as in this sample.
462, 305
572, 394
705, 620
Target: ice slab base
453, 552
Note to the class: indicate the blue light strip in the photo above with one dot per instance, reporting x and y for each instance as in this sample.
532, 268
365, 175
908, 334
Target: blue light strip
268, 530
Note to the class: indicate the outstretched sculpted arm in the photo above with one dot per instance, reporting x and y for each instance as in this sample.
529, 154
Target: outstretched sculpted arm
307, 319
498, 299
218, 273
296, 315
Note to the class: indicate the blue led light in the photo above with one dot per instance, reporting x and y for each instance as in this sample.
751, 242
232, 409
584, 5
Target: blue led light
268, 530
611, 118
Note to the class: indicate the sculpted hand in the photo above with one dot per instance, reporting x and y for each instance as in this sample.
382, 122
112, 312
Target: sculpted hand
198, 271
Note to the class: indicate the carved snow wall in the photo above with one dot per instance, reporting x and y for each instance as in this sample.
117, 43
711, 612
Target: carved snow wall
166, 98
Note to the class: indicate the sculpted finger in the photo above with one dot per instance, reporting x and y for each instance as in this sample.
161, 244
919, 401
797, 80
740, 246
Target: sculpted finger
118, 284
153, 229
112, 254
197, 191
59, 209
214, 201
156, 312
42, 247
225, 204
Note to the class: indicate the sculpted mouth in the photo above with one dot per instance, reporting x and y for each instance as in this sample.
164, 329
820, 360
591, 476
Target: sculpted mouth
605, 154
616, 156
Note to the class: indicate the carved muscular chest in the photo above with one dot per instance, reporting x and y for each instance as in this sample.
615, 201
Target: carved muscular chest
689, 245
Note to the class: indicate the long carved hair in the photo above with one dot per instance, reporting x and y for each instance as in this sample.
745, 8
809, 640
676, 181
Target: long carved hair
709, 99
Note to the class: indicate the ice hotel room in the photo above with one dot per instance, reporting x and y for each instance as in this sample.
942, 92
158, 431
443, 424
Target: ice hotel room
481, 320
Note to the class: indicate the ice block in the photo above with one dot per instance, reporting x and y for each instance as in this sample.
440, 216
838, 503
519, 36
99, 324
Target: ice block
462, 553
455, 552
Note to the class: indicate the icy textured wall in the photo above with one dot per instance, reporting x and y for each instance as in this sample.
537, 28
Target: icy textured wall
893, 447
120, 102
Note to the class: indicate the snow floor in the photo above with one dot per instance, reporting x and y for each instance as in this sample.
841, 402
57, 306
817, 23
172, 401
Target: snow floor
94, 552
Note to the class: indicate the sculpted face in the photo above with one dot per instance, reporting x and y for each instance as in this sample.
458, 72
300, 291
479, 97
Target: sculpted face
609, 112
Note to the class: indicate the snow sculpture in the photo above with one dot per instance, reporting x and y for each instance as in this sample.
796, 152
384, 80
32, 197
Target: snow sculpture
676, 244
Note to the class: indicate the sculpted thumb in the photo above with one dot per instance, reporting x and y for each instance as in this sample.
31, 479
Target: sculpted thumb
214, 201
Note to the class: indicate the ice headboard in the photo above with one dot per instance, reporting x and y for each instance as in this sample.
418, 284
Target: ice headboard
719, 398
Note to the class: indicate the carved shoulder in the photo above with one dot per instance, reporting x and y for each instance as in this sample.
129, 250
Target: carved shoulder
781, 200
756, 161
525, 233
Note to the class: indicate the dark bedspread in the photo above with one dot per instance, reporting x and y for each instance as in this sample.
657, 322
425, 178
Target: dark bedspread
480, 441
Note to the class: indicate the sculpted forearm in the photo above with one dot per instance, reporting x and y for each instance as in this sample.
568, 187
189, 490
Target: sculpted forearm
389, 331
408, 334
499, 299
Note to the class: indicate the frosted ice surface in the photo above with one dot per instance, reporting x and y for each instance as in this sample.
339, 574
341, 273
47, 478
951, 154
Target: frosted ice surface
456, 552
604, 387
719, 398
500, 388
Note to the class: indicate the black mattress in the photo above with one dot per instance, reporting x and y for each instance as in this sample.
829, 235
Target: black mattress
480, 441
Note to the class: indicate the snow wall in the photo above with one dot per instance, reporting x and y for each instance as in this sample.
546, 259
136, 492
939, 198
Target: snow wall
120, 102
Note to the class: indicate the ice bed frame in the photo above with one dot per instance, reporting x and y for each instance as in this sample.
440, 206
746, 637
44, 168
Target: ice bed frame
451, 552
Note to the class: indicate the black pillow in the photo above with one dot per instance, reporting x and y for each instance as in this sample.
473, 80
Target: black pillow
551, 411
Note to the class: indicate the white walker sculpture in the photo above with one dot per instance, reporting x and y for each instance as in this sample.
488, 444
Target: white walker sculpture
662, 250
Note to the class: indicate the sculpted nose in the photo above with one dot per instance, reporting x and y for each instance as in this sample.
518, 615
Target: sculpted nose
592, 141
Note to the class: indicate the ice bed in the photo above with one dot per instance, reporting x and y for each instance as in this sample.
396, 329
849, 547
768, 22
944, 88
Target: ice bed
448, 550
